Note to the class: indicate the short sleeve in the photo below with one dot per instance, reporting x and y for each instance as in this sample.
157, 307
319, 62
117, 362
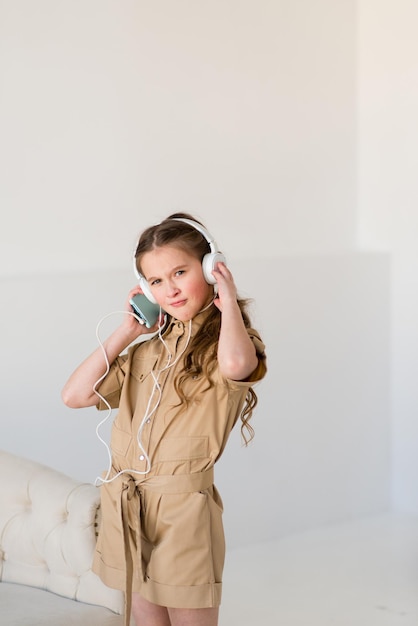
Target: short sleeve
110, 388
261, 369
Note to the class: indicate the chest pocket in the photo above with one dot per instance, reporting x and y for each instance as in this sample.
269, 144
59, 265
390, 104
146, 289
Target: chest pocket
183, 448
121, 441
142, 367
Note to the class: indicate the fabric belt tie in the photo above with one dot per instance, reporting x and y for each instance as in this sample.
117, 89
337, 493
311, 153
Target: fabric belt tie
130, 491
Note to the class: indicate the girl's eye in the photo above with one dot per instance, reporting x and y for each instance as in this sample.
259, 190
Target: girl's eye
180, 272
155, 282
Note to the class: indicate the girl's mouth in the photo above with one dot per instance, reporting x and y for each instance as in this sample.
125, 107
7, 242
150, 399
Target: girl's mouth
178, 303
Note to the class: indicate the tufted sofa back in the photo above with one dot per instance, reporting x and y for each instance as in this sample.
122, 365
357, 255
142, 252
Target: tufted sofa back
48, 525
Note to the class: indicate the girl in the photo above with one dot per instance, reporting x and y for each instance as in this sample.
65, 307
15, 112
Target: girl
178, 396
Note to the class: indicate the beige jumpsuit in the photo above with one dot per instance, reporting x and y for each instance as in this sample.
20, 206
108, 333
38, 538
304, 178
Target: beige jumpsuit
161, 533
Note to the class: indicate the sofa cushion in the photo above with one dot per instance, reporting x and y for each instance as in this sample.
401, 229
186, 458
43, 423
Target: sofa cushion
48, 532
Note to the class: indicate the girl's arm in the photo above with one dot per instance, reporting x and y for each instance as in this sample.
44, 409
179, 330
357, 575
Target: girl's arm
237, 356
78, 390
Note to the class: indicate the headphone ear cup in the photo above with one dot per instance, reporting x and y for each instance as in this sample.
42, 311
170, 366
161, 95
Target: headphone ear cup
209, 262
146, 289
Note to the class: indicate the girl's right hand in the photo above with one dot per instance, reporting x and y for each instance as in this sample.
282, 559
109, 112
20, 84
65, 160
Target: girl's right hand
79, 391
132, 323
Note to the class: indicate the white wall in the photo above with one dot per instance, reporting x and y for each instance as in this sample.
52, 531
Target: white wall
316, 458
388, 203
115, 113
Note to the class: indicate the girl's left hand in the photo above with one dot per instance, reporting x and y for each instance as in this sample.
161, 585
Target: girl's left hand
227, 291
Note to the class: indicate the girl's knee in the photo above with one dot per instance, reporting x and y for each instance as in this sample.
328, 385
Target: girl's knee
148, 614
194, 617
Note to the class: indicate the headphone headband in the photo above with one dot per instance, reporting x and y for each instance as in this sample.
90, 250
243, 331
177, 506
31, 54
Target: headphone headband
211, 241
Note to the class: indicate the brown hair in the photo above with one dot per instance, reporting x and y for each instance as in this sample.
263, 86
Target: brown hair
201, 354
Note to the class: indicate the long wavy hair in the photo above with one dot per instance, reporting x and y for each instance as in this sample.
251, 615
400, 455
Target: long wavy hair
200, 358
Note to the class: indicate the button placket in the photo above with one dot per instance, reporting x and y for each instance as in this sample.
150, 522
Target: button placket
165, 374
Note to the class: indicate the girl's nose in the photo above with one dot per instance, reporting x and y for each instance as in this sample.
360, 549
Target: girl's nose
172, 289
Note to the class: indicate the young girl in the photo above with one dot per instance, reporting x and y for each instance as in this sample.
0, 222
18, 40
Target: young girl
178, 395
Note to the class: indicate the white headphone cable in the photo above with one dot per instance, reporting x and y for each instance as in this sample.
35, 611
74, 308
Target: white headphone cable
99, 479
148, 413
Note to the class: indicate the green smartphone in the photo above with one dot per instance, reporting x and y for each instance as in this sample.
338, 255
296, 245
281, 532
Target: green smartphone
147, 311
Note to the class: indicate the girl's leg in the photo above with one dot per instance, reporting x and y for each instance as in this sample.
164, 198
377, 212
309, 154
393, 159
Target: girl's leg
194, 617
148, 614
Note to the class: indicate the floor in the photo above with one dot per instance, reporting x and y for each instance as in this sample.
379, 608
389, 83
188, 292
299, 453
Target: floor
363, 573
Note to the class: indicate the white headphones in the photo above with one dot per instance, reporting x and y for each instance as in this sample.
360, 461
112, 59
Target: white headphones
209, 261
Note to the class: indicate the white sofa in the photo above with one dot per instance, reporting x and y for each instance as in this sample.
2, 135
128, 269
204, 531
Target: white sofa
48, 529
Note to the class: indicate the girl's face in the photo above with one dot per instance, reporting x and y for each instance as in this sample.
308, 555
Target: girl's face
176, 280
